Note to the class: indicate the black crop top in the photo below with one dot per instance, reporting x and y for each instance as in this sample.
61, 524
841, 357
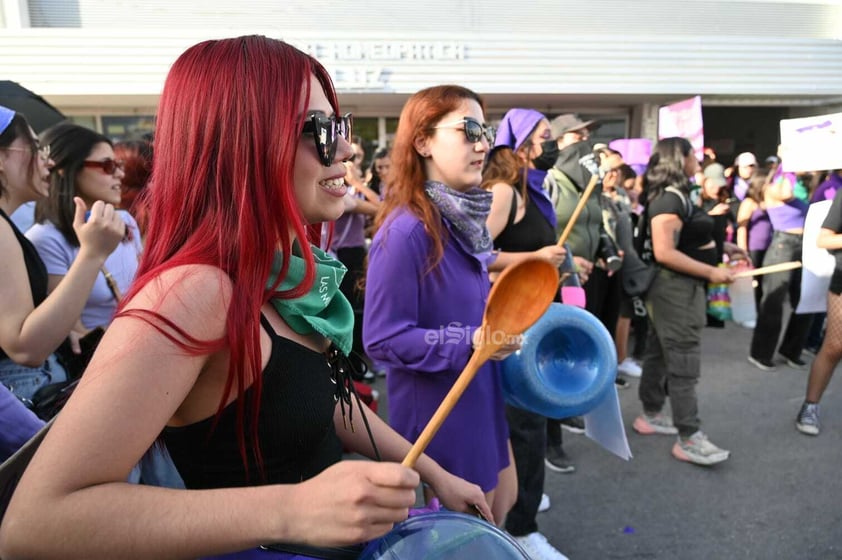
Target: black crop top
35, 269
295, 426
696, 231
531, 233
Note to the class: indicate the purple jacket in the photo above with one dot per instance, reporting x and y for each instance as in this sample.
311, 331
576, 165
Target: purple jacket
418, 325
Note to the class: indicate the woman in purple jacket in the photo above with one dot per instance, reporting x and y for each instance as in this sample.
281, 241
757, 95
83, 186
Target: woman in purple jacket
427, 285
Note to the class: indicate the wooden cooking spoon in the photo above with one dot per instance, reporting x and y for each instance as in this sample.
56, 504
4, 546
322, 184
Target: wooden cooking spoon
518, 298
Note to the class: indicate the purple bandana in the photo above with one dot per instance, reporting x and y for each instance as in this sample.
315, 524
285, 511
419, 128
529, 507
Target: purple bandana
466, 212
6, 116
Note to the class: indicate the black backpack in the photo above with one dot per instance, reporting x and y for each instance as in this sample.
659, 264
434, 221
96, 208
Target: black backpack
639, 270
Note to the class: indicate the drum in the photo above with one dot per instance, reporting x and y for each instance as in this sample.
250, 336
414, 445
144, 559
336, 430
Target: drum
444, 535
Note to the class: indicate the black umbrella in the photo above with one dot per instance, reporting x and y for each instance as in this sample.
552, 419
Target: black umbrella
38, 112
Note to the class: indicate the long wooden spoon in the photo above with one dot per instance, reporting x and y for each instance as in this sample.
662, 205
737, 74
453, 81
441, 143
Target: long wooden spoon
518, 298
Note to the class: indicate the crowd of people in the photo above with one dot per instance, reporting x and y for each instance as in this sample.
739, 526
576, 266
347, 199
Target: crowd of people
220, 292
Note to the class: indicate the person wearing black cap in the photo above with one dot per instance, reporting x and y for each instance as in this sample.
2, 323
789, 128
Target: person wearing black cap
565, 183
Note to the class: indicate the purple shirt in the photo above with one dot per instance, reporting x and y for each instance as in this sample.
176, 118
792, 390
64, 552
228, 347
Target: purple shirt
827, 190
759, 230
348, 231
789, 215
418, 324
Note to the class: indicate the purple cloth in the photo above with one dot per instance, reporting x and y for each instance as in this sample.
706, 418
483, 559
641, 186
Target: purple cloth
348, 231
516, 126
17, 423
418, 324
759, 231
514, 130
535, 184
827, 190
740, 188
789, 215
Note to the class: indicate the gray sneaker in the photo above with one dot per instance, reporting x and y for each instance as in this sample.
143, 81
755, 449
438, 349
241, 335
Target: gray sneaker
807, 421
698, 449
658, 424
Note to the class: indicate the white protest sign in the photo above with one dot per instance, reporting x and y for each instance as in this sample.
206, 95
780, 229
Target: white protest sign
683, 119
818, 264
812, 143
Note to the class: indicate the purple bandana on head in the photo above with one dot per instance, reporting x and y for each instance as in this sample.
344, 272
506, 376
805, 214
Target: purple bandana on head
514, 130
6, 116
516, 126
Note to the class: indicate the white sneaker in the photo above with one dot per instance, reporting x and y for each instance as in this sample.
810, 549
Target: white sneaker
545, 503
538, 548
630, 368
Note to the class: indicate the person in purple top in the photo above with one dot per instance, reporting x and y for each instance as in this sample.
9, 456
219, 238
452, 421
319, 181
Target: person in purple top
827, 190
427, 284
787, 215
745, 164
754, 230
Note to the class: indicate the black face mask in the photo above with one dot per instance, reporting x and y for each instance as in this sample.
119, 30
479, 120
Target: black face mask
548, 157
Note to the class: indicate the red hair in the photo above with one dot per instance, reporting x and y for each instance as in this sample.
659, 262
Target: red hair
406, 177
227, 130
137, 161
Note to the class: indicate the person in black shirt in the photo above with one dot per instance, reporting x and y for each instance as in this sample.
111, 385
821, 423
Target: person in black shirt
830, 353
684, 249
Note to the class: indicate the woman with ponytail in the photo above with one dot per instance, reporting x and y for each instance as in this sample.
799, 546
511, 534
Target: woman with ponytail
684, 249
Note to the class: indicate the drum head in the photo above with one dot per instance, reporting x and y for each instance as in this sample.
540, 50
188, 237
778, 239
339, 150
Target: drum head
444, 535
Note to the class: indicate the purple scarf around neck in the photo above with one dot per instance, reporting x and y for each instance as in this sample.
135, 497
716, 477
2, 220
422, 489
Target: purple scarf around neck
535, 187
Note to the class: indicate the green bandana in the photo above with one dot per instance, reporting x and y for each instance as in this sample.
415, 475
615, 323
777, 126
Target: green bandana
324, 309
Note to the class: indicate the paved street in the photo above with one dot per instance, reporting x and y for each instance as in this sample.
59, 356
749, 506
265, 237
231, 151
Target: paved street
778, 497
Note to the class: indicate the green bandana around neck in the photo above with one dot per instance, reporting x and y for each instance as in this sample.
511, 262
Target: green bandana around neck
324, 309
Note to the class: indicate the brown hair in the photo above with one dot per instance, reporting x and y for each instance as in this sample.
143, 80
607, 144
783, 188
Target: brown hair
407, 175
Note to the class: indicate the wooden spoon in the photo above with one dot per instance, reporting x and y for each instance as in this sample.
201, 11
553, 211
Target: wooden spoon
518, 298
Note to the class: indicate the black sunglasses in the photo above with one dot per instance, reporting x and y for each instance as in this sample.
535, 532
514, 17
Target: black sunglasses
109, 166
474, 130
326, 132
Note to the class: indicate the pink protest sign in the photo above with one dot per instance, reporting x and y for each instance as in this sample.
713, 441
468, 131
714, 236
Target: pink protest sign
635, 151
683, 119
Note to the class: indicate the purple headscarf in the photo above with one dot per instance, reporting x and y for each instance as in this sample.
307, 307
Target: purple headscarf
6, 116
513, 131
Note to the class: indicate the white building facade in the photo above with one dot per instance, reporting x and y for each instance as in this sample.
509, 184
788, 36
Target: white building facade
752, 61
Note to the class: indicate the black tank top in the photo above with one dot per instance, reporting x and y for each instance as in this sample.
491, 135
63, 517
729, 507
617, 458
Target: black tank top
529, 234
295, 426
35, 269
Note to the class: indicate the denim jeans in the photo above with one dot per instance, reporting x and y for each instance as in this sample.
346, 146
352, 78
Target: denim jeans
672, 360
777, 288
24, 381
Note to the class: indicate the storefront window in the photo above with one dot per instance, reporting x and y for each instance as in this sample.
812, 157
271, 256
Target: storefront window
128, 128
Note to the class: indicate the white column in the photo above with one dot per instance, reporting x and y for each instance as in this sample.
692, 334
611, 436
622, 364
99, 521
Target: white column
649, 121
381, 132
16, 14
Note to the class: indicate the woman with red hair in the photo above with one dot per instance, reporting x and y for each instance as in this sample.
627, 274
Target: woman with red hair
229, 345
136, 156
427, 284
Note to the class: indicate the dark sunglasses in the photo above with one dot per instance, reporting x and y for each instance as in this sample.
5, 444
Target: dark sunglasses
474, 130
326, 132
109, 166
